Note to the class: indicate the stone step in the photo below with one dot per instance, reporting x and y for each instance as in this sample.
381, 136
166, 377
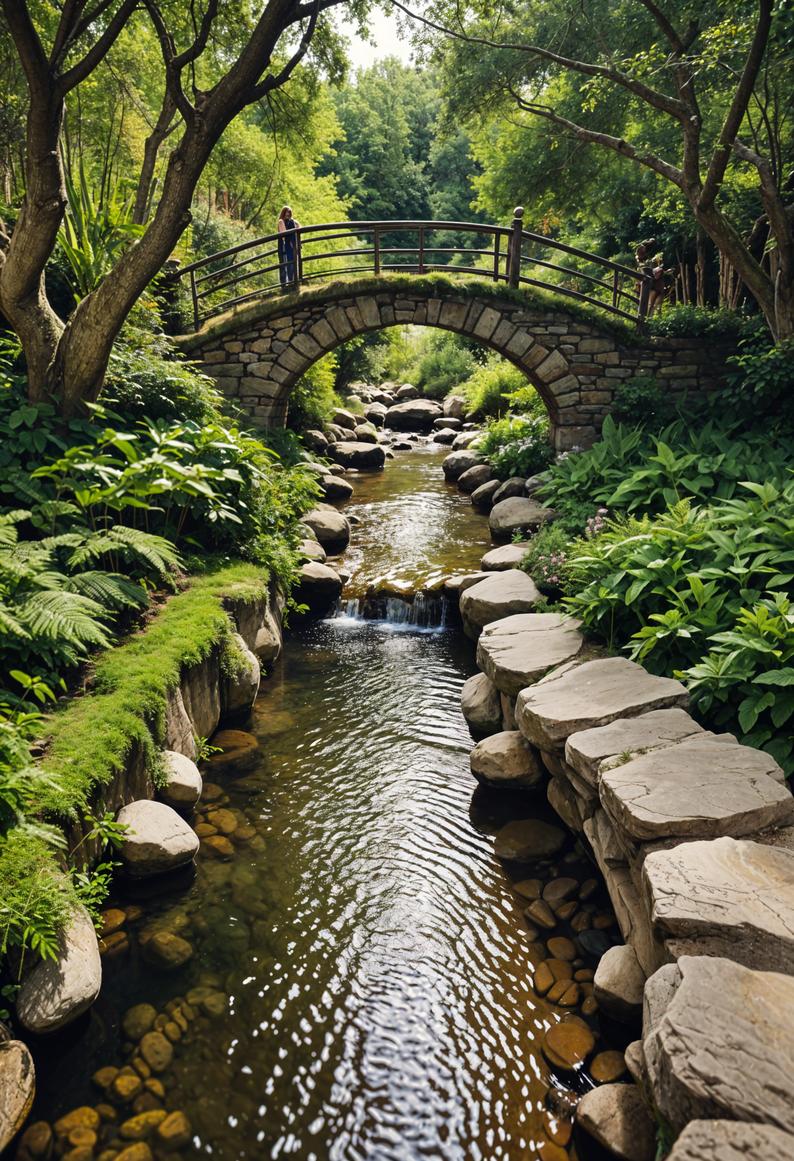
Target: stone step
589, 750
728, 897
732, 1141
592, 694
718, 1042
517, 651
499, 595
696, 789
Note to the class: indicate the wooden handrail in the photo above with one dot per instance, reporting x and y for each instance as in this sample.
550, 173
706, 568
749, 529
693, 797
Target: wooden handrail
510, 263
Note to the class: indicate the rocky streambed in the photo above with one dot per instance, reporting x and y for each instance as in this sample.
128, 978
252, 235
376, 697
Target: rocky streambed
349, 971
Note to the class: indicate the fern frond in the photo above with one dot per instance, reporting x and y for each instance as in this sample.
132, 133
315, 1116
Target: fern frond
9, 624
109, 589
145, 547
64, 617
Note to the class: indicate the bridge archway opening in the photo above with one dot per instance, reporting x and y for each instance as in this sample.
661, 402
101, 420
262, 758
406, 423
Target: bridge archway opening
400, 367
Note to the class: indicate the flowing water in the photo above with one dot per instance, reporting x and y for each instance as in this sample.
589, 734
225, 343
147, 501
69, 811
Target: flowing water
360, 984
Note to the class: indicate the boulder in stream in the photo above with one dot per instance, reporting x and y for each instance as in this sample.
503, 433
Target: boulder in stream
183, 783
157, 839
57, 991
413, 415
330, 527
355, 454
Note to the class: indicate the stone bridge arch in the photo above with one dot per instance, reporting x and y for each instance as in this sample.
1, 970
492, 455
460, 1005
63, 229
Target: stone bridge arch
257, 352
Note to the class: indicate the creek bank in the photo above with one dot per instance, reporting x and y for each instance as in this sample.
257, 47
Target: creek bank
629, 771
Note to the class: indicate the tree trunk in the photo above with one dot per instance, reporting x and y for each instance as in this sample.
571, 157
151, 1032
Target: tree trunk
151, 149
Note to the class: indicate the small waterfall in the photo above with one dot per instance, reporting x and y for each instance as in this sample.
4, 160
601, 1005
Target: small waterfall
424, 610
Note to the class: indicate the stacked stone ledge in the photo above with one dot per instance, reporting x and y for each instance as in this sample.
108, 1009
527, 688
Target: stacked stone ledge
694, 836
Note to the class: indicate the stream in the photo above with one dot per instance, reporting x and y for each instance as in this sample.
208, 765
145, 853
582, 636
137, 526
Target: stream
360, 978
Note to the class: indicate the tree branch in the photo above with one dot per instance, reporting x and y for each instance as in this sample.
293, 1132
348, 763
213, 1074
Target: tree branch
99, 49
274, 82
661, 101
593, 137
173, 80
26, 40
738, 108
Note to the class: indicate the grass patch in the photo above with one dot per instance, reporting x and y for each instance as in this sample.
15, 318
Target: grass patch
91, 737
424, 285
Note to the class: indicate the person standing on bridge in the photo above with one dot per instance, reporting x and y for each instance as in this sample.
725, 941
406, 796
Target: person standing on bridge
287, 248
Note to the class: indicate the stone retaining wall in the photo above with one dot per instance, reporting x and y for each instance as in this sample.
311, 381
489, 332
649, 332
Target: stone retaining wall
694, 836
258, 352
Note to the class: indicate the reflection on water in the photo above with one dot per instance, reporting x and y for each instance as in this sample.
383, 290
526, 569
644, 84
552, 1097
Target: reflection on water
370, 974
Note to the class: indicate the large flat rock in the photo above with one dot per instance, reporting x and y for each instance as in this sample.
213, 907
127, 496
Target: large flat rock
517, 651
413, 415
701, 788
587, 750
582, 697
723, 1047
499, 595
57, 991
506, 556
732, 1141
517, 514
355, 454
728, 897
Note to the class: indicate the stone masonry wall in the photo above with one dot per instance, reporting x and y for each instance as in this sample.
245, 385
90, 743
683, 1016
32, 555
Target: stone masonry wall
258, 352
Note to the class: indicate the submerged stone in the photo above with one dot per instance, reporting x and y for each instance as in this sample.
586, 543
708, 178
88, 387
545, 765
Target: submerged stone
527, 840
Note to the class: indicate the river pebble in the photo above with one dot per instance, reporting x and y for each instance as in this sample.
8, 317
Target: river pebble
568, 1044
157, 1051
607, 1067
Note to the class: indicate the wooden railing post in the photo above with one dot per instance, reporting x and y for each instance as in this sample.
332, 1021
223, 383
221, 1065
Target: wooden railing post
514, 248
496, 241
194, 297
376, 244
421, 249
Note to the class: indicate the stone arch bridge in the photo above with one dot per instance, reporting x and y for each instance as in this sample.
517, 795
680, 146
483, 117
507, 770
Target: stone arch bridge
257, 352
263, 315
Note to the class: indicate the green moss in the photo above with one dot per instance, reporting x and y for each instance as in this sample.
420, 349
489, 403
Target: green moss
91, 737
35, 895
429, 285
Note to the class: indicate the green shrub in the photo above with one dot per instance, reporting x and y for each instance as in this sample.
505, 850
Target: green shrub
748, 676
313, 398
701, 322
760, 383
487, 390
443, 367
546, 559
633, 470
147, 380
669, 588
517, 445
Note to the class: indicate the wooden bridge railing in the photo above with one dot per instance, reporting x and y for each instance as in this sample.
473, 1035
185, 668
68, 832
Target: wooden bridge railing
508, 254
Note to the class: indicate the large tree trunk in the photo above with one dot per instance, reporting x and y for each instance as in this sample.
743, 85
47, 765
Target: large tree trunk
22, 293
